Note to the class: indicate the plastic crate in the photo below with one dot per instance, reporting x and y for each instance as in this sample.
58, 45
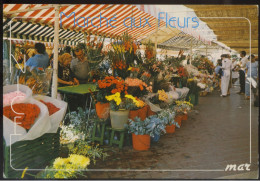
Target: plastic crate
34, 154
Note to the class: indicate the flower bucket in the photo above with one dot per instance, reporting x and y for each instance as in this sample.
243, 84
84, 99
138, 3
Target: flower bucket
192, 98
170, 128
142, 113
133, 114
141, 142
150, 112
102, 110
155, 138
119, 119
185, 117
178, 119
196, 98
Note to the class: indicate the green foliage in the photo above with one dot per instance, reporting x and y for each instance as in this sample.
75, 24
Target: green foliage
150, 126
81, 147
168, 115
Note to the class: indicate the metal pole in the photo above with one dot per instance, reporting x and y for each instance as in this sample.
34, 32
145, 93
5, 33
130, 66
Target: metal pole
55, 59
155, 43
190, 51
85, 38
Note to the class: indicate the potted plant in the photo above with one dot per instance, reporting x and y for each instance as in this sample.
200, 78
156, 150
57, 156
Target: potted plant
167, 115
156, 126
182, 108
107, 86
140, 133
120, 105
139, 108
160, 99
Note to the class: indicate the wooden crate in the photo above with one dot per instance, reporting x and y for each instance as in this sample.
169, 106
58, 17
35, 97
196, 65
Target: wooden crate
34, 154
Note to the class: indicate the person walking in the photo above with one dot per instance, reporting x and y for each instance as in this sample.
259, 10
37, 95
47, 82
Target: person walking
250, 69
243, 62
225, 79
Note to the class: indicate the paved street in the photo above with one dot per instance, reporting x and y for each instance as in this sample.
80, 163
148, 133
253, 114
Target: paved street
216, 133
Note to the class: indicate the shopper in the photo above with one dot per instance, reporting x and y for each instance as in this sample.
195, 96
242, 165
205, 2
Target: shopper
41, 59
80, 65
65, 75
219, 72
243, 62
225, 79
253, 70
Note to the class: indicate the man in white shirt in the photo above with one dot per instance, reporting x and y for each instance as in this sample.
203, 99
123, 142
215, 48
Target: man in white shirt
243, 62
225, 79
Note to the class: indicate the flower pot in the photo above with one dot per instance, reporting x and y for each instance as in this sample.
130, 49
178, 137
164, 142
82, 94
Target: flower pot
192, 98
155, 138
102, 110
178, 119
141, 142
133, 114
185, 117
170, 128
150, 112
142, 113
119, 119
196, 98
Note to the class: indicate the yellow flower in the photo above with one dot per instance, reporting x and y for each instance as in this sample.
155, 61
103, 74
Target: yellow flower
190, 80
115, 97
79, 160
162, 95
60, 162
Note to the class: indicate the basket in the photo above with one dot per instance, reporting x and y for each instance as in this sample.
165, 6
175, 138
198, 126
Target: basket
34, 154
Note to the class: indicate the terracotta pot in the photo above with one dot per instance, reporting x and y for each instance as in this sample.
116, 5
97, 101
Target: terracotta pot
102, 110
119, 119
178, 119
141, 142
185, 117
133, 114
150, 112
170, 128
142, 113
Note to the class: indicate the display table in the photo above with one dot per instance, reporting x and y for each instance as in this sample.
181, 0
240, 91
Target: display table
82, 89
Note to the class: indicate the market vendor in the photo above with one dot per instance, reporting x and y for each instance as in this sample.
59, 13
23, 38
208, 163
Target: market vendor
41, 59
65, 75
80, 65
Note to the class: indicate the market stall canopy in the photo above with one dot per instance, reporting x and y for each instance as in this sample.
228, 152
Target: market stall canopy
231, 24
36, 21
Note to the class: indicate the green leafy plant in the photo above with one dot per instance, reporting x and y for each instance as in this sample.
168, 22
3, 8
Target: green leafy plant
150, 126
167, 115
156, 125
81, 147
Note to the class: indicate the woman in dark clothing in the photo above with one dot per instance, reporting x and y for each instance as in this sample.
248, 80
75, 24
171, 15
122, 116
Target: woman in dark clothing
65, 75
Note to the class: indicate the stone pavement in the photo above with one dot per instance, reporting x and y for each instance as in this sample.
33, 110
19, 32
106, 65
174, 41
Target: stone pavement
216, 133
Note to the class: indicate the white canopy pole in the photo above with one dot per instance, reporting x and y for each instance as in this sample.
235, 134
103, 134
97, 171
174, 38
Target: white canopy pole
55, 59
156, 29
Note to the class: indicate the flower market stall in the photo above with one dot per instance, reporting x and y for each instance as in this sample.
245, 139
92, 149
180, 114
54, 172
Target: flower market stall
133, 97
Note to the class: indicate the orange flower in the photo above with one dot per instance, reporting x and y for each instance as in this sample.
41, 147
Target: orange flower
94, 80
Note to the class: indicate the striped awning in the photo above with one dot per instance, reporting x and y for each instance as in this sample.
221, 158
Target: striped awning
37, 24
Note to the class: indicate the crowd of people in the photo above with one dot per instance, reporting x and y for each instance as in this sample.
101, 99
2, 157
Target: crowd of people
246, 70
